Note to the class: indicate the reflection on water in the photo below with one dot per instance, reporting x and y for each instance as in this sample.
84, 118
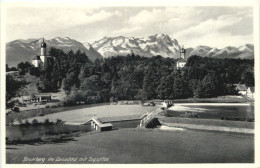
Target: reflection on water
164, 127
213, 112
188, 109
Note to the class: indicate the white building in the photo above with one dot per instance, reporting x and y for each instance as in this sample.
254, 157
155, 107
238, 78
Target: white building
251, 92
41, 61
182, 61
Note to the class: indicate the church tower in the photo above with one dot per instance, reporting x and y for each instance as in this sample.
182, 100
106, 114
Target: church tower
183, 53
43, 55
182, 61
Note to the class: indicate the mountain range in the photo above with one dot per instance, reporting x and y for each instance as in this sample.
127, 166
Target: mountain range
24, 50
158, 44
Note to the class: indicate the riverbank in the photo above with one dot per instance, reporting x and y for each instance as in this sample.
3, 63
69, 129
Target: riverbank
209, 124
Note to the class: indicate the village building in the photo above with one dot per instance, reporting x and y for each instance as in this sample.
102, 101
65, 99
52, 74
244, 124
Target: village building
41, 97
110, 123
182, 61
241, 89
251, 92
42, 60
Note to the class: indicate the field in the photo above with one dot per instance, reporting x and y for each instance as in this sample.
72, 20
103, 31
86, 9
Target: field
84, 114
143, 146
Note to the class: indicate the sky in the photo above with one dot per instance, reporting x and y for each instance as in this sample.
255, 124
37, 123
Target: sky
190, 26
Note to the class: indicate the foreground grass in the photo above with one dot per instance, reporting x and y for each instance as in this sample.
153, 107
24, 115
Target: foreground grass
144, 146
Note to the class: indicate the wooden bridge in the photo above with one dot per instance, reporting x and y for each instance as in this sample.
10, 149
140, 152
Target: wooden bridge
150, 120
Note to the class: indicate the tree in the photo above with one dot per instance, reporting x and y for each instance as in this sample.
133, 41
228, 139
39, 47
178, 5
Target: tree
248, 79
24, 67
35, 71
12, 88
208, 86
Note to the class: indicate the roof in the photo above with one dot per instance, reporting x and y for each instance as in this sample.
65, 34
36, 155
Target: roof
99, 123
119, 118
11, 72
37, 58
241, 87
42, 94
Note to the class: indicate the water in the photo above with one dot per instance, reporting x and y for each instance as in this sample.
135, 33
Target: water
79, 114
212, 112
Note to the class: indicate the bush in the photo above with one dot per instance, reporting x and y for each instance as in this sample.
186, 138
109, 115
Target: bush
189, 115
35, 122
16, 109
46, 122
27, 123
59, 122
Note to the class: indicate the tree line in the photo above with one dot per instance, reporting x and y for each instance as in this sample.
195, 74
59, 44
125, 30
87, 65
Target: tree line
134, 77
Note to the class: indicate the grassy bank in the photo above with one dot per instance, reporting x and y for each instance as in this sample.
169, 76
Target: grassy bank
144, 146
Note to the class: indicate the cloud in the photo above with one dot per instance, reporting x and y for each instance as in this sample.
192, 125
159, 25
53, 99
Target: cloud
127, 30
191, 26
214, 33
208, 27
58, 17
159, 15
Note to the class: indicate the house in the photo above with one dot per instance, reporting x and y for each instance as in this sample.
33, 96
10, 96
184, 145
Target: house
96, 125
242, 89
110, 123
250, 92
41, 97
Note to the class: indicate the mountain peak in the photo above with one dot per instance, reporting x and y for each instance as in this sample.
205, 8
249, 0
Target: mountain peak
24, 50
158, 44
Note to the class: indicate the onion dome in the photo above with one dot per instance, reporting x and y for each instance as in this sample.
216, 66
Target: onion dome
43, 44
183, 50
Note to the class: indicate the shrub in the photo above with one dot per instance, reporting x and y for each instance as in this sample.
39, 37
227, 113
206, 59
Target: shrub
35, 122
59, 122
27, 123
189, 115
46, 122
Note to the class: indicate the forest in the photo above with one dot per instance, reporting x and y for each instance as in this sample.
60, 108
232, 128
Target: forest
134, 77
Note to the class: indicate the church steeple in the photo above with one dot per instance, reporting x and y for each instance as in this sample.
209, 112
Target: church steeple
183, 52
43, 55
43, 45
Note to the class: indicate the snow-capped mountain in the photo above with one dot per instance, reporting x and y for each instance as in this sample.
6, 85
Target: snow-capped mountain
243, 52
24, 50
159, 44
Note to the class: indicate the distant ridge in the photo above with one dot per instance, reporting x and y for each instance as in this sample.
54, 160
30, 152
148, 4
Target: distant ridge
158, 44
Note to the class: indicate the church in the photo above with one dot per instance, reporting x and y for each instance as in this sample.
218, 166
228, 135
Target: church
182, 61
42, 60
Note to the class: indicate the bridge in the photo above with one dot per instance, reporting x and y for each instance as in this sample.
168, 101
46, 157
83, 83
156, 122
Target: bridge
150, 120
